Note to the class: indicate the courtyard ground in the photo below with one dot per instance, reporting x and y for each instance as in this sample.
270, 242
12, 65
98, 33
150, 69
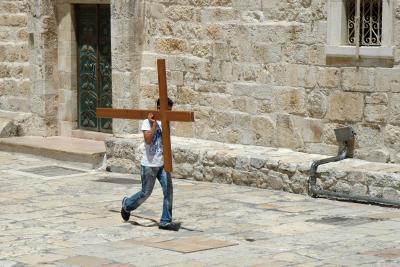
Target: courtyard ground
54, 213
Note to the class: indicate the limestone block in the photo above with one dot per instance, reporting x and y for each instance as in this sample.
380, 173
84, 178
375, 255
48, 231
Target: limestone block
220, 51
287, 135
218, 14
183, 155
377, 99
266, 53
170, 45
224, 159
7, 128
243, 121
374, 155
276, 180
298, 183
317, 54
321, 148
122, 165
329, 77
290, 100
359, 189
222, 175
392, 137
19, 20
247, 72
345, 106
309, 129
341, 187
376, 113
179, 13
240, 177
9, 7
186, 95
201, 50
264, 129
4, 71
358, 79
156, 11
391, 193
301, 75
296, 53
369, 136
317, 104
184, 129
394, 108
219, 102
184, 170
387, 80
252, 16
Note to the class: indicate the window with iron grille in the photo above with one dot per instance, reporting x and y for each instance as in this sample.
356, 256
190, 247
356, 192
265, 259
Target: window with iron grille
370, 22
360, 28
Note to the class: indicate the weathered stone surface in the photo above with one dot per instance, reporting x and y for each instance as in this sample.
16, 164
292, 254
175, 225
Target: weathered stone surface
344, 106
377, 98
358, 79
376, 113
392, 137
287, 136
7, 128
394, 108
263, 59
263, 167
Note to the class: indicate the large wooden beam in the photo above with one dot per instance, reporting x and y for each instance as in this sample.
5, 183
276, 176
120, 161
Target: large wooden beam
141, 114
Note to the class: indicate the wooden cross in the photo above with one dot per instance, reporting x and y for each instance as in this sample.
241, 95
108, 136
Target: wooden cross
164, 115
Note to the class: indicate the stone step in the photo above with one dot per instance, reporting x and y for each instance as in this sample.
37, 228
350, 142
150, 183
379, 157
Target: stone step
57, 147
264, 167
81, 134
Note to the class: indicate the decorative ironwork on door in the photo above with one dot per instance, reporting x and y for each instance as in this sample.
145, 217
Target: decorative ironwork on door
94, 65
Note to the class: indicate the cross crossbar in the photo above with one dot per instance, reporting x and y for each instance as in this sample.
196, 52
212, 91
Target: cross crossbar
141, 114
164, 115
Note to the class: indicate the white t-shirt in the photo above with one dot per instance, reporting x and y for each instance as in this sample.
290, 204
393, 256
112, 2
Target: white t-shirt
153, 154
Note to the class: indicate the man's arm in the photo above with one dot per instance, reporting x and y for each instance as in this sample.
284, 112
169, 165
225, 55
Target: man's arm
149, 135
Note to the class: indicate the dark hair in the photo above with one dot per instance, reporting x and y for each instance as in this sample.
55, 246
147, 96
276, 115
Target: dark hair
170, 102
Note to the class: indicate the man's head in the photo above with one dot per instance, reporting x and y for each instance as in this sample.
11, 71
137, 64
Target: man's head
170, 103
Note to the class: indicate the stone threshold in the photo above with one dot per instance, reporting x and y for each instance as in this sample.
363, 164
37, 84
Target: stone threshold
57, 147
263, 167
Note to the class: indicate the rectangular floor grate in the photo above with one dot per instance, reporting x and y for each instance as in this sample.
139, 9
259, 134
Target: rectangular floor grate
51, 171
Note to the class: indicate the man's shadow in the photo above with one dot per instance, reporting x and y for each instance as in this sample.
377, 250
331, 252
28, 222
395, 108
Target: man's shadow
154, 223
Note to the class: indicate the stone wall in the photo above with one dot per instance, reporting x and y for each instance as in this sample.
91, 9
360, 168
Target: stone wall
255, 73
15, 83
263, 167
27, 65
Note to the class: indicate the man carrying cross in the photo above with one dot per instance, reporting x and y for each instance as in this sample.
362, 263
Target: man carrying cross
157, 162
152, 168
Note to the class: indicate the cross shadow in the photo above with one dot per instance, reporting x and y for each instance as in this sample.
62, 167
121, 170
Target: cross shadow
154, 222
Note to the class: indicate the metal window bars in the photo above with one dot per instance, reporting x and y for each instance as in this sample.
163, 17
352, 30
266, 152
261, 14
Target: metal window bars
364, 22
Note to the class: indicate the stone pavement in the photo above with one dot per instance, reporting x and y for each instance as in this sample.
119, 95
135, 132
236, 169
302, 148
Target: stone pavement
61, 214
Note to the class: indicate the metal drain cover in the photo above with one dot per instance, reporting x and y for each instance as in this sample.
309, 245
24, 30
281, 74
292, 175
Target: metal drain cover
114, 180
344, 221
51, 171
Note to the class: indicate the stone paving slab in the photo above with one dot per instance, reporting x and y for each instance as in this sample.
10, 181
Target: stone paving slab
187, 244
74, 220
